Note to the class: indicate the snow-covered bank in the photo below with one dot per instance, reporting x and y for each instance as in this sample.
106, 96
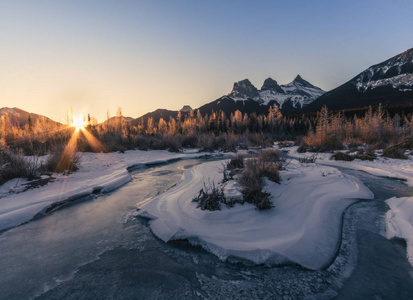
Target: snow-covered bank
399, 222
381, 166
98, 172
399, 219
304, 227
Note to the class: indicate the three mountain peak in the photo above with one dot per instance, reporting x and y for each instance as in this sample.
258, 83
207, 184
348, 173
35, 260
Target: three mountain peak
245, 86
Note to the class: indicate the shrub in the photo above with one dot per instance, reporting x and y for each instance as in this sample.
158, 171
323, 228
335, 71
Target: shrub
260, 199
405, 144
252, 184
33, 168
227, 174
342, 156
271, 155
270, 170
210, 198
309, 159
62, 160
367, 155
11, 166
353, 147
302, 148
394, 152
189, 141
322, 141
236, 162
285, 144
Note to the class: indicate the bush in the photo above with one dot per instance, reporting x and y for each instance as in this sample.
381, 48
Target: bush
302, 148
270, 170
322, 142
342, 156
285, 144
189, 141
353, 147
11, 166
210, 198
368, 155
252, 184
406, 144
62, 160
271, 155
236, 162
309, 159
394, 152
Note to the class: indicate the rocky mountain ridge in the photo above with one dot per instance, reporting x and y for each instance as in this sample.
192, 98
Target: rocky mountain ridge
299, 92
389, 83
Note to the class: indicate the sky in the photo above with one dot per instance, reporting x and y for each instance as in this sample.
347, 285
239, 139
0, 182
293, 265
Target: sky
96, 56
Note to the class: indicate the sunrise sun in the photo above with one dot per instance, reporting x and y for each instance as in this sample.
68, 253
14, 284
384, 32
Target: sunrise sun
78, 123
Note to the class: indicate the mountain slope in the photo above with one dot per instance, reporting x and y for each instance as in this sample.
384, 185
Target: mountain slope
18, 117
116, 119
228, 105
156, 115
389, 82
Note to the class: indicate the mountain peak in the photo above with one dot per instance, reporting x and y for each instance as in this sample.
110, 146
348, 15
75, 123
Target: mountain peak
186, 108
244, 88
271, 84
299, 79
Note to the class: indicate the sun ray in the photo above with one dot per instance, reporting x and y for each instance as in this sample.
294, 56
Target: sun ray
93, 142
69, 151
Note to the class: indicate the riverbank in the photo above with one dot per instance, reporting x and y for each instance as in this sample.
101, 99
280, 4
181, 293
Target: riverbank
98, 173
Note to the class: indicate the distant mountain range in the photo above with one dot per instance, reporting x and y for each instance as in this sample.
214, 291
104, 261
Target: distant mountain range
389, 83
246, 98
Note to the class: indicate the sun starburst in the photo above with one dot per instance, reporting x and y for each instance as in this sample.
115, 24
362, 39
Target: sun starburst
78, 123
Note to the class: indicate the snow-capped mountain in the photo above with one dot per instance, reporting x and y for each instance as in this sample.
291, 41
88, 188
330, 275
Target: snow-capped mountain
246, 98
389, 83
396, 72
299, 92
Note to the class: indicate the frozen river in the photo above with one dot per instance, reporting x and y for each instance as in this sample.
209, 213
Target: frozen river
98, 249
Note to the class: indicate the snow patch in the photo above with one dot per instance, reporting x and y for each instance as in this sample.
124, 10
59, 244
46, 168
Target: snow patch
399, 222
382, 166
304, 227
403, 82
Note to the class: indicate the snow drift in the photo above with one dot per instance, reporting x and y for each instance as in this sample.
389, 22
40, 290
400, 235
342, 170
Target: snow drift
303, 228
399, 222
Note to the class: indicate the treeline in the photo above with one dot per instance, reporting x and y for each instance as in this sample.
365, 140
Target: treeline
208, 132
376, 129
324, 131
218, 123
